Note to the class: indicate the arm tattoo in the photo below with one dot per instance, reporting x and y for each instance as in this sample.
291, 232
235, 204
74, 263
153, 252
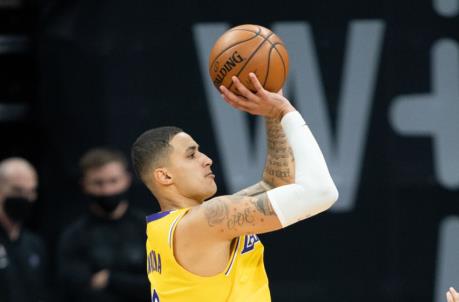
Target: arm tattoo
279, 168
263, 205
239, 218
216, 212
280, 164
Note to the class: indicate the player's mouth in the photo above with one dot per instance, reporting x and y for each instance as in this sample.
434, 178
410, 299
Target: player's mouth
212, 175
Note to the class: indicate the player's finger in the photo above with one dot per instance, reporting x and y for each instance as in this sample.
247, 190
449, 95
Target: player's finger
256, 84
242, 89
236, 102
229, 101
449, 297
228, 93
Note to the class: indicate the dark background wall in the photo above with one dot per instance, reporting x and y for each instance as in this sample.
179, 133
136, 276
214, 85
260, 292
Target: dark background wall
101, 72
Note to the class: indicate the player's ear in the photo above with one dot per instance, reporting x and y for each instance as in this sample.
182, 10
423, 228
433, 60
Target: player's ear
162, 176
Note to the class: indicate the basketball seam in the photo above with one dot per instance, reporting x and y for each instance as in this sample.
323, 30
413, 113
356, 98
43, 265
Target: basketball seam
255, 32
250, 57
267, 67
232, 45
273, 47
280, 56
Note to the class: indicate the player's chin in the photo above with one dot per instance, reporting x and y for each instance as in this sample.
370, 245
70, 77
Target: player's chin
211, 190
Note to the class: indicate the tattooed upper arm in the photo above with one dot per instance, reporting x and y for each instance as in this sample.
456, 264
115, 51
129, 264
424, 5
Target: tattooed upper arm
215, 212
232, 216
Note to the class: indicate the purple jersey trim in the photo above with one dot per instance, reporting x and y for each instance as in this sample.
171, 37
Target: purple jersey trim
156, 216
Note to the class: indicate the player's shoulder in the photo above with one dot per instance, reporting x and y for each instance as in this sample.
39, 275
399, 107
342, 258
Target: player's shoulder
165, 216
164, 223
156, 217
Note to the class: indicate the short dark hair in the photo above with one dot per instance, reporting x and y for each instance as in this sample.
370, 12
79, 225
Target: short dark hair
99, 157
150, 148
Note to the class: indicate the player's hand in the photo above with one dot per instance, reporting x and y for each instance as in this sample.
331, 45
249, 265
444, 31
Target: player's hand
452, 295
100, 279
261, 102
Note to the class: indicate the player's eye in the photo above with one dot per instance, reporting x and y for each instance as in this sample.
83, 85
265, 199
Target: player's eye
192, 155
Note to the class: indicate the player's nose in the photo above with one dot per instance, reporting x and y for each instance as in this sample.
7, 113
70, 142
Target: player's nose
207, 161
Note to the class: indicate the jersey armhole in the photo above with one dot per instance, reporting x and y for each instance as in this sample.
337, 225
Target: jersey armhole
233, 254
170, 240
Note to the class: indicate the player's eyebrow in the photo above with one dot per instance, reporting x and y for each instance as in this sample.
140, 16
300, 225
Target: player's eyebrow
192, 148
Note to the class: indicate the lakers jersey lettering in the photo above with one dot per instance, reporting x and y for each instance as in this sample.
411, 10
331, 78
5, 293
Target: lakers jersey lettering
154, 297
244, 278
153, 262
249, 243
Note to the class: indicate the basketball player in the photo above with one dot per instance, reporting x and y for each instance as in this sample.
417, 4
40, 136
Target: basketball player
202, 250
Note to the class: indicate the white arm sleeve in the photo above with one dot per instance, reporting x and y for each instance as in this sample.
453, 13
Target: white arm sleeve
314, 190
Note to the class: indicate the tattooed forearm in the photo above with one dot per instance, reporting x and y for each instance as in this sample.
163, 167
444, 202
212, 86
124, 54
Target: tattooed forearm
215, 212
279, 168
263, 205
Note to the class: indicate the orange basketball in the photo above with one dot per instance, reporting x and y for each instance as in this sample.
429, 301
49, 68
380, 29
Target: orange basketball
249, 48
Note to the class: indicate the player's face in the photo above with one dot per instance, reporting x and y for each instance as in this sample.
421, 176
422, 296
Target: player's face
107, 180
191, 169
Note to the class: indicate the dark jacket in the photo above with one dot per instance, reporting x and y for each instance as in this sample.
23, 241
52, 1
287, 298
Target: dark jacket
22, 268
92, 244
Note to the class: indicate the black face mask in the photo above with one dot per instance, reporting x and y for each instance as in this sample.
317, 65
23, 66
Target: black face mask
18, 209
109, 202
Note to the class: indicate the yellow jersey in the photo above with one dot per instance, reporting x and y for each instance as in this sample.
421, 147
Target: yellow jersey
244, 278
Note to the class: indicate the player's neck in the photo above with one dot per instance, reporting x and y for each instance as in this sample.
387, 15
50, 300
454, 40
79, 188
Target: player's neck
169, 198
176, 201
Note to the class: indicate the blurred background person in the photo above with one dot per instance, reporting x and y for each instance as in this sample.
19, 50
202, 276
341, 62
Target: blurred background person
101, 257
22, 253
